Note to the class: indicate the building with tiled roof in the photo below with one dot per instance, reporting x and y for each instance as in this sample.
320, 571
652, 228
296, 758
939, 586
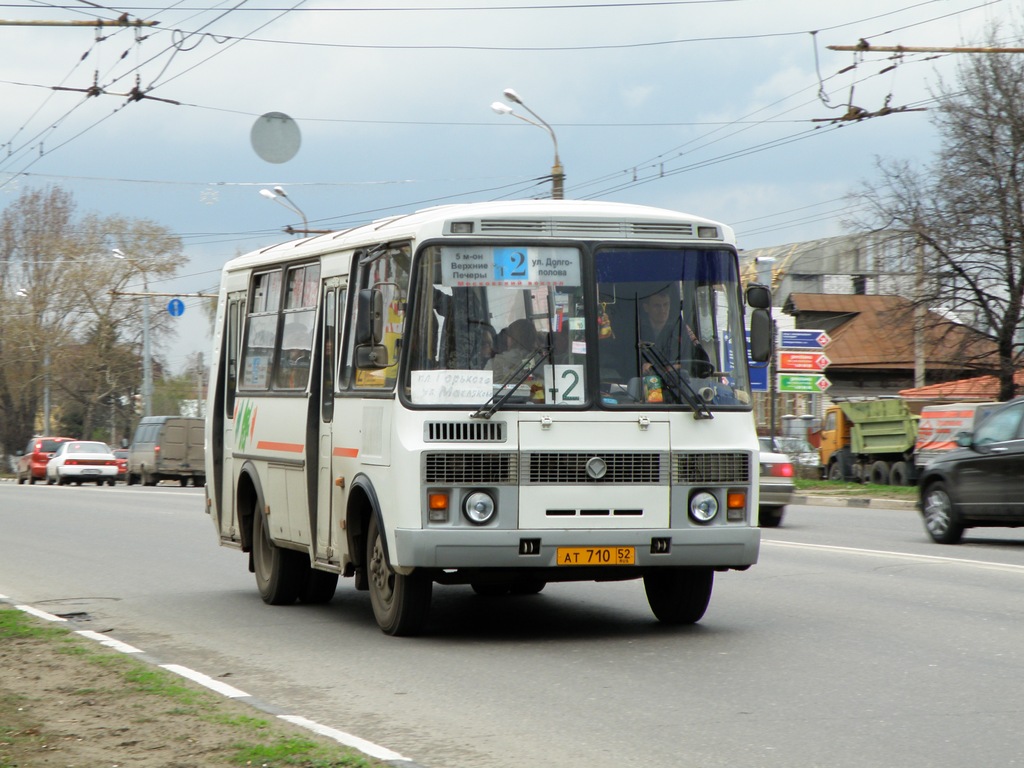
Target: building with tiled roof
872, 351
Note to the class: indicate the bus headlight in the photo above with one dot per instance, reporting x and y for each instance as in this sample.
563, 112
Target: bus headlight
703, 506
479, 507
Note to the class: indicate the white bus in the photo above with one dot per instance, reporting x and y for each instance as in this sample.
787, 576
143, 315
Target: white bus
498, 395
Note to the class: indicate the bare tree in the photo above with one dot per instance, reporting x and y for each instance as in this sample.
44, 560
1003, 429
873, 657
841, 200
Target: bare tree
65, 329
966, 211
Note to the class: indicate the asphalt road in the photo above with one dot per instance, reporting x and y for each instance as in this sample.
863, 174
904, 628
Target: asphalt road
854, 642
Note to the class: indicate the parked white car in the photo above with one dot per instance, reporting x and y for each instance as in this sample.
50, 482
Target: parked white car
82, 461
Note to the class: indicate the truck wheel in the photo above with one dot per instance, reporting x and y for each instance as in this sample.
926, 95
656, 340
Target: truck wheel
899, 474
940, 518
879, 474
835, 471
279, 572
679, 595
400, 603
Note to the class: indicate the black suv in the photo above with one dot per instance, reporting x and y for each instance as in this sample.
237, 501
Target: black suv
981, 483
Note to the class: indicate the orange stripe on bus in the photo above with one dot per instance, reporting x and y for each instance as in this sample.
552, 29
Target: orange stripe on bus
269, 445
348, 453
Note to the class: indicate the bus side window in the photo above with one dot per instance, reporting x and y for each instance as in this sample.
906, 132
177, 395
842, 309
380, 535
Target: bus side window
261, 331
232, 333
388, 273
327, 364
294, 353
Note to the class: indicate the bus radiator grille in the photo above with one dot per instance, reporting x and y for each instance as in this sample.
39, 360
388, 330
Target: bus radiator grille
611, 468
471, 468
710, 468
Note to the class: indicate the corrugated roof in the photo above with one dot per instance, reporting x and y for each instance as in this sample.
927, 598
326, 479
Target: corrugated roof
978, 389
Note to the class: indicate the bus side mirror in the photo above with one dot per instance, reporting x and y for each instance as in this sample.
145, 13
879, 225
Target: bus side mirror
760, 336
370, 312
759, 296
370, 353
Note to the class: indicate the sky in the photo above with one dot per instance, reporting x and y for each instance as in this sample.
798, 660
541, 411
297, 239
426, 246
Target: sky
729, 109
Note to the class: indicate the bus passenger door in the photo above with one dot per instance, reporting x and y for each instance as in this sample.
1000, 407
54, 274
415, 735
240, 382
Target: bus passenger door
329, 538
224, 480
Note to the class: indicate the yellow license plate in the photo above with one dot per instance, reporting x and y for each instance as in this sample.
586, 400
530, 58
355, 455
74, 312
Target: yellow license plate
596, 556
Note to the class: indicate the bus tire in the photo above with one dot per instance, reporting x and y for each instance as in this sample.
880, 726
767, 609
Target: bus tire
400, 603
770, 517
319, 587
279, 572
488, 589
528, 586
679, 595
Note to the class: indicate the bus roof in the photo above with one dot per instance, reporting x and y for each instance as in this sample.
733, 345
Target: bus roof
510, 218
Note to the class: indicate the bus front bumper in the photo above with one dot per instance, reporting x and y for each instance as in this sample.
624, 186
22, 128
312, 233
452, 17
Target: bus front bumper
718, 547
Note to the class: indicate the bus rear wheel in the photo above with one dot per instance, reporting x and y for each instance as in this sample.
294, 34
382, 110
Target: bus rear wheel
400, 603
679, 595
280, 573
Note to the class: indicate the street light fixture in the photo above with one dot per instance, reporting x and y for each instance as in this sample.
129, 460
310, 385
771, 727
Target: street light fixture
147, 357
557, 172
280, 197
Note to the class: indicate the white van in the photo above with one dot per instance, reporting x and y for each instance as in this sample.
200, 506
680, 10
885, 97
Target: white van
167, 448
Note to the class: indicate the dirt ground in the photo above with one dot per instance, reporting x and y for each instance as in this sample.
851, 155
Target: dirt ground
71, 703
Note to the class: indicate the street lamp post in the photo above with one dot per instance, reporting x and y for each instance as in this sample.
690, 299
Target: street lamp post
147, 357
557, 172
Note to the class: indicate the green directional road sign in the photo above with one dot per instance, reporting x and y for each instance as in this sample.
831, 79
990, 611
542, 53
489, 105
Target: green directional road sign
802, 382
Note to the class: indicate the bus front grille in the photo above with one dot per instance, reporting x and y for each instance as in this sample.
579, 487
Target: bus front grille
711, 468
475, 468
612, 468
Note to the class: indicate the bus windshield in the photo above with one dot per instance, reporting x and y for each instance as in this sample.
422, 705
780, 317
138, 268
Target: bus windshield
485, 315
670, 327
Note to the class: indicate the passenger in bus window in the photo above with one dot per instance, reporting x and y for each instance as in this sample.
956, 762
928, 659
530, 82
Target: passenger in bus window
521, 342
482, 344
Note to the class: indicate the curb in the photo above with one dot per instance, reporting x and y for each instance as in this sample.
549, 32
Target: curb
854, 501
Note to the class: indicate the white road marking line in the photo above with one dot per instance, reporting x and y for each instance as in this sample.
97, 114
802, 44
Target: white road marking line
205, 680
1010, 567
368, 747
110, 642
38, 613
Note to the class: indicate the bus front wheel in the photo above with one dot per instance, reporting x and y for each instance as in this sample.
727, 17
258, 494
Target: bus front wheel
400, 603
280, 573
679, 595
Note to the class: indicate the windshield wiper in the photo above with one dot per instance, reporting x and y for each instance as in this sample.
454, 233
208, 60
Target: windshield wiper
674, 380
512, 382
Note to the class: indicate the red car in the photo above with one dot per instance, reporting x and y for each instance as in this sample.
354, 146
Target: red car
121, 454
32, 461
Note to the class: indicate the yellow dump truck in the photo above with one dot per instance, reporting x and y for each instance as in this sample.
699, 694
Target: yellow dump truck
869, 441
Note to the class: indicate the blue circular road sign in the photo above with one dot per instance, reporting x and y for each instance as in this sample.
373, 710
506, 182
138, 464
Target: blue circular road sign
176, 307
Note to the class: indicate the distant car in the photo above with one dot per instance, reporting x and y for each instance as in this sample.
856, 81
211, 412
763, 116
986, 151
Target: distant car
979, 483
798, 449
776, 486
121, 454
32, 461
82, 461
